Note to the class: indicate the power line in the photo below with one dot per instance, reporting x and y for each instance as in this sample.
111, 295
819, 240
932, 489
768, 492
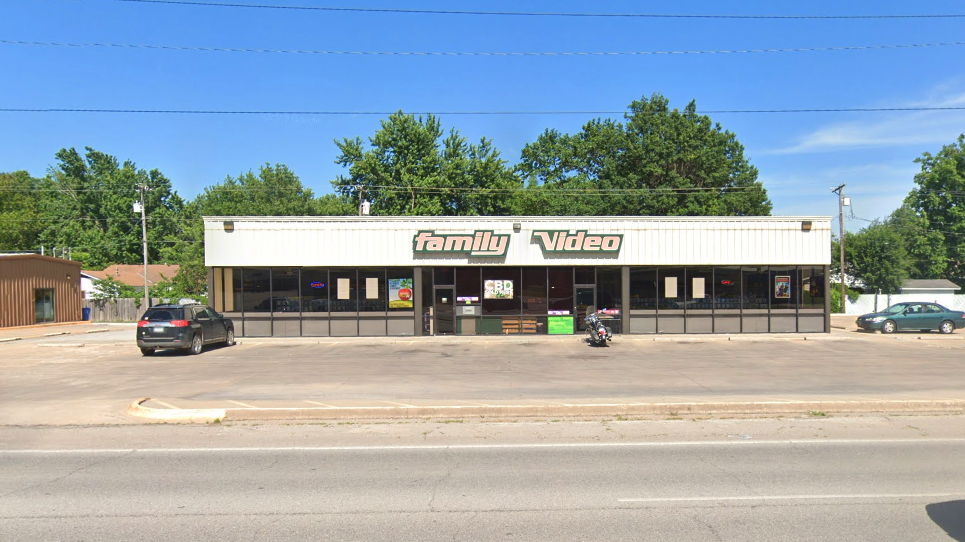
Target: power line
480, 53
439, 113
536, 13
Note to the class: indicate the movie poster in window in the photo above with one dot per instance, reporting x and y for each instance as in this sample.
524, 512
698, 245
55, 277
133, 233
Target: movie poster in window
782, 287
498, 289
400, 293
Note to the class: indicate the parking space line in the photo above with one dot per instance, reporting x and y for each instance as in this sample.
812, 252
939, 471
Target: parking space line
246, 405
320, 404
400, 404
169, 405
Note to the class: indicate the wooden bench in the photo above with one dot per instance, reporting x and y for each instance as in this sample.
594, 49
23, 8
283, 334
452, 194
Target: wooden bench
516, 324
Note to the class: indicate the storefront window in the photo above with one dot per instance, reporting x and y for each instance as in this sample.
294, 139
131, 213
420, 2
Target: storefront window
468, 286
533, 291
500, 295
812, 288
284, 286
609, 288
237, 290
343, 296
445, 276
371, 290
560, 281
427, 300
585, 275
315, 290
401, 292
643, 288
727, 288
670, 288
257, 293
785, 288
699, 288
756, 290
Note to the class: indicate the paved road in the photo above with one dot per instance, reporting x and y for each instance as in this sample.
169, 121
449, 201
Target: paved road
750, 490
95, 383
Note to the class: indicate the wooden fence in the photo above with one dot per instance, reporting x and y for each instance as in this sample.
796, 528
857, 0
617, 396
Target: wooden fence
121, 310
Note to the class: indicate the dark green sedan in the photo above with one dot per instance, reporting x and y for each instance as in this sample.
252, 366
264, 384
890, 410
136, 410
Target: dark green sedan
912, 316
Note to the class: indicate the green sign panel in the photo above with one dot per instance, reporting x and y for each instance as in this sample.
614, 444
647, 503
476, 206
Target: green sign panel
560, 325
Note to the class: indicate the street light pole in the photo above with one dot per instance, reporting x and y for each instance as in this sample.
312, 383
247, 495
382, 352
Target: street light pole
844, 291
147, 293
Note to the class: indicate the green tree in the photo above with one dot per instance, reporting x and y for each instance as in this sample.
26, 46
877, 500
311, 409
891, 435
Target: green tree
659, 162
20, 219
411, 169
274, 191
90, 208
110, 289
879, 258
937, 203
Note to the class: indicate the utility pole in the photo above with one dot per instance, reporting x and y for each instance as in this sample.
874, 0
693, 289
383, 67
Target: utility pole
844, 291
147, 292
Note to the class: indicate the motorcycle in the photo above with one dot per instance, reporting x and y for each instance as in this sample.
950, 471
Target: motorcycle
597, 333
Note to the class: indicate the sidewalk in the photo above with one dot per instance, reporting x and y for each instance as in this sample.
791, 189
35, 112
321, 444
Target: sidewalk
9, 334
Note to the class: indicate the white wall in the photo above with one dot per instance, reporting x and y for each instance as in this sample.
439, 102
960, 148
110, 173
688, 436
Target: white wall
866, 302
388, 241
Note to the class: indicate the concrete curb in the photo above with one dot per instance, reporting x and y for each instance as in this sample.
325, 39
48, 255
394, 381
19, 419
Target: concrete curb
196, 415
60, 345
10, 339
759, 408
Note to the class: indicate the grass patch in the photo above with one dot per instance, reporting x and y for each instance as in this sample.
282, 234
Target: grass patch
452, 421
817, 414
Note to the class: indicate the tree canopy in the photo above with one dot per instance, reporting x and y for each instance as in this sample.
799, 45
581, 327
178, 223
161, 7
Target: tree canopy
408, 168
658, 162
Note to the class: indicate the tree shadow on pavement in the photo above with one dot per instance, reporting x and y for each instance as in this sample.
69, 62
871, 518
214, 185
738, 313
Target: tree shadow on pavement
950, 516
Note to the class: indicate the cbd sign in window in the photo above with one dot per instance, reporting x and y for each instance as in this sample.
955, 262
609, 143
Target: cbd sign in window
498, 289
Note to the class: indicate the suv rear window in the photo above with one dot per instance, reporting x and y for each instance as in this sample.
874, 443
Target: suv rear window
163, 315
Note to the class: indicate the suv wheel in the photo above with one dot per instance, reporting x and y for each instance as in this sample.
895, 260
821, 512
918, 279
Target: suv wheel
197, 343
230, 338
147, 351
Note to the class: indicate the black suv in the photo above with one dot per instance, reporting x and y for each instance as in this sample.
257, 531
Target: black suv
188, 327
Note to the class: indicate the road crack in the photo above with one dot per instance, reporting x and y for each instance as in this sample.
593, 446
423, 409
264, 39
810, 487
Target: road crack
69, 474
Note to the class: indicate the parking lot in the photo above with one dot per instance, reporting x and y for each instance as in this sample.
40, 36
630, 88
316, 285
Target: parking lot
90, 378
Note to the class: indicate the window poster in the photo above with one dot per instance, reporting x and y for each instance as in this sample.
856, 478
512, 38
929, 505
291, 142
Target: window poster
400, 293
782, 287
498, 289
371, 288
344, 288
670, 286
699, 291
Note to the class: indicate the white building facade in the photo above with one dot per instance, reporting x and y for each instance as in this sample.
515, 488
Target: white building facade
370, 276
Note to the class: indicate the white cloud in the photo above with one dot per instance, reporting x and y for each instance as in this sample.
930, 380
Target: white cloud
922, 128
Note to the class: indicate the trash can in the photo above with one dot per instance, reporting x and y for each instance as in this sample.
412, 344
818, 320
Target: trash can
86, 311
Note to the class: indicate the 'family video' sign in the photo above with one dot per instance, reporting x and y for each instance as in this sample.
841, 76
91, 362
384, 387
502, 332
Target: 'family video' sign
580, 242
478, 243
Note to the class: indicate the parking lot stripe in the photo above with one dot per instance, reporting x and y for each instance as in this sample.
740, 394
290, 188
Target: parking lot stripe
400, 404
320, 404
246, 405
169, 405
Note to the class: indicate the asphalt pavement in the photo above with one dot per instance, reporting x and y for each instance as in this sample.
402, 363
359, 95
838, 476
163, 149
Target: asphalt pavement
736, 489
93, 374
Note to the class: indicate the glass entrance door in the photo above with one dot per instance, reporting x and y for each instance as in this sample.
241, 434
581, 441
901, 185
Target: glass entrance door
585, 298
44, 305
444, 312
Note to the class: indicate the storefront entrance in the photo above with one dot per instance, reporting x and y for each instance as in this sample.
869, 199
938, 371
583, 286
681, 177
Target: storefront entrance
585, 298
444, 316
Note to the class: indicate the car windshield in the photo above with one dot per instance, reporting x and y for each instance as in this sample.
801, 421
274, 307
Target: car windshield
894, 309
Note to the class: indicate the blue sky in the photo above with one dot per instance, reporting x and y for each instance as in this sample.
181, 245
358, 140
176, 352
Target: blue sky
800, 156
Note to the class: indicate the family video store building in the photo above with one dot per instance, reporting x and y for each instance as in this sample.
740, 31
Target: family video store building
370, 276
